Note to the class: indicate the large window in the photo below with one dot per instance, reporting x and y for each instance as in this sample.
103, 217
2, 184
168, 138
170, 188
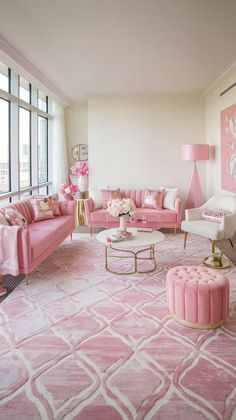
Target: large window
4, 154
4, 77
42, 149
25, 90
24, 137
24, 148
42, 101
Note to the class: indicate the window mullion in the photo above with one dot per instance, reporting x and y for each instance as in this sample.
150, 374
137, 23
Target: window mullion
34, 138
14, 136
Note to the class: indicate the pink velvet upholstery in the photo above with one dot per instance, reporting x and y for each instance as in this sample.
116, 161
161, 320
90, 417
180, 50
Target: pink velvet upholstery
39, 239
156, 218
197, 296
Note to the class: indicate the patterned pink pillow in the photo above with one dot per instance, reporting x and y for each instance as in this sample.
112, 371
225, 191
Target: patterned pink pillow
52, 202
109, 195
153, 199
41, 209
214, 215
14, 217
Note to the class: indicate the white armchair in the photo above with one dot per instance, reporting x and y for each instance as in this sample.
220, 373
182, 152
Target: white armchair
215, 231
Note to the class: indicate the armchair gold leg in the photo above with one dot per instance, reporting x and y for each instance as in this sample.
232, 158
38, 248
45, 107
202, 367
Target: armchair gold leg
71, 236
231, 243
213, 244
91, 230
27, 279
175, 231
185, 238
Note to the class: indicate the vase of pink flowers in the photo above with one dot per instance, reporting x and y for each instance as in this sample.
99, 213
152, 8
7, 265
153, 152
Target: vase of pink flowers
81, 170
68, 190
123, 208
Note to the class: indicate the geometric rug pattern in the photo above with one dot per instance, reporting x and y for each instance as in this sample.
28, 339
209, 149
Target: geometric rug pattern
81, 343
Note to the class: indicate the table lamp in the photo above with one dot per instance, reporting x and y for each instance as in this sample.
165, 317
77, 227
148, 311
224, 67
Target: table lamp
194, 152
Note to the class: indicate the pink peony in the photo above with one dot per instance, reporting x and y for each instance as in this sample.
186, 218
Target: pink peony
80, 168
67, 189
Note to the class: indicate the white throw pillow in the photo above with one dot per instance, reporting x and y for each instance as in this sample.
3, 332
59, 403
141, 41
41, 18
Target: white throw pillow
169, 198
97, 197
3, 220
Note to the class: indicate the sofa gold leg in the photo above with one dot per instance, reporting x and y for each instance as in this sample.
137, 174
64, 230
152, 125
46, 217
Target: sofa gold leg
185, 238
175, 231
71, 236
91, 230
27, 279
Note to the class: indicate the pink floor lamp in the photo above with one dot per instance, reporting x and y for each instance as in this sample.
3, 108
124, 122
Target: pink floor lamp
194, 152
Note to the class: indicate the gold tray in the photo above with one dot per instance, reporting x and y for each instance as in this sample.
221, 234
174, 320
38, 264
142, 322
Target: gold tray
208, 261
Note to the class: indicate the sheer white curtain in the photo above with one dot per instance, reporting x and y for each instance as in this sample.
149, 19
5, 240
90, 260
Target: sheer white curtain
59, 150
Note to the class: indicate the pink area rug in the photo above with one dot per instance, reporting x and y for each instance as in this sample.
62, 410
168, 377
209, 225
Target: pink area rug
81, 343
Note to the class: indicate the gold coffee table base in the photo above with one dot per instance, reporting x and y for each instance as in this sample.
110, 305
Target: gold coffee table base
135, 256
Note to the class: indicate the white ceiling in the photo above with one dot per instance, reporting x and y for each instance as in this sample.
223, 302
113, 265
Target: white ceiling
123, 46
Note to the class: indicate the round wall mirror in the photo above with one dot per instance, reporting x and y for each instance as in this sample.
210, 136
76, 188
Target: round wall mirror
80, 152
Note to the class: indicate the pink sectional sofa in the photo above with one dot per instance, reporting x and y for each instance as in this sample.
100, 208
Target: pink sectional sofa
163, 218
38, 240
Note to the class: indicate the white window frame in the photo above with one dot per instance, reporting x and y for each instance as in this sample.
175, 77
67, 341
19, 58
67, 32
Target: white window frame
15, 103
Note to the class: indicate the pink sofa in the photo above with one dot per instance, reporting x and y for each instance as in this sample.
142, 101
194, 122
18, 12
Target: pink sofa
36, 242
163, 218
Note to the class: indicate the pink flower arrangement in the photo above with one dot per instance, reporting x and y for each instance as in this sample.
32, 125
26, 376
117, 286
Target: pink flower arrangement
68, 190
80, 168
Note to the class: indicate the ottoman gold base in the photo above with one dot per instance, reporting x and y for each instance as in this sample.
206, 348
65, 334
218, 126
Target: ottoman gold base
196, 325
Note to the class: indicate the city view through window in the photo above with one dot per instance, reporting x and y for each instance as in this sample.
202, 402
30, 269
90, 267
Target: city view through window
19, 169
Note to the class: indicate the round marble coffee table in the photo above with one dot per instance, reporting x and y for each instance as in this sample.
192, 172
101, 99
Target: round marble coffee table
144, 240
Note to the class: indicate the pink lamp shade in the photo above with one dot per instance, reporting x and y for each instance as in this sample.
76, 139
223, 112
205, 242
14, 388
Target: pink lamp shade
195, 151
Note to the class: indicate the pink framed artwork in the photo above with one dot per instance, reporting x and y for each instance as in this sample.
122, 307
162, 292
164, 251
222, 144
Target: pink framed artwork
228, 148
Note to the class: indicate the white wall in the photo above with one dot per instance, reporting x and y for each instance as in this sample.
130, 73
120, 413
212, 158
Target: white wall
214, 105
77, 128
134, 140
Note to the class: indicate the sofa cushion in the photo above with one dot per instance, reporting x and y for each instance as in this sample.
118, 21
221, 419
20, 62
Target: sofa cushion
14, 217
214, 215
109, 195
41, 209
52, 201
169, 198
24, 208
153, 199
97, 197
45, 233
3, 220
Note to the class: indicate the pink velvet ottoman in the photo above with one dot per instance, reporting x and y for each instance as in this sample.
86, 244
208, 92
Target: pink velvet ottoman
198, 297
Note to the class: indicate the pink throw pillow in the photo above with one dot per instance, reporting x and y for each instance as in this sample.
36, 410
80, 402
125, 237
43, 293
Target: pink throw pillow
52, 202
214, 215
14, 217
109, 195
41, 209
153, 199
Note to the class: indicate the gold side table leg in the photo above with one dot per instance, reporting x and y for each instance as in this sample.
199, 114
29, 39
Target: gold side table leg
77, 213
